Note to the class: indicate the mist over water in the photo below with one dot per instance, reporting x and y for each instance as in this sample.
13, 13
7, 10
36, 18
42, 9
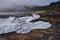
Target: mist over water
6, 5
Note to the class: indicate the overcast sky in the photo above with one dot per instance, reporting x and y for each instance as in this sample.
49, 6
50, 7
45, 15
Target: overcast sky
20, 3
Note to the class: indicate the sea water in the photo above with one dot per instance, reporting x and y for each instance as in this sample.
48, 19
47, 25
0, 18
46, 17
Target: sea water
22, 24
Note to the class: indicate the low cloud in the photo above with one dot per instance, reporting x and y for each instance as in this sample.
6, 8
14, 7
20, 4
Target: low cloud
21, 3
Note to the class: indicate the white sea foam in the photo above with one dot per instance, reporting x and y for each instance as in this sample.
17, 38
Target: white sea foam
22, 24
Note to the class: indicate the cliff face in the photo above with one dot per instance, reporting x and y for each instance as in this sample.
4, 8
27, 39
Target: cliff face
55, 7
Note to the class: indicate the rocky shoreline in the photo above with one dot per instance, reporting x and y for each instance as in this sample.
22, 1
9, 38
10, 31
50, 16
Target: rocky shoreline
52, 33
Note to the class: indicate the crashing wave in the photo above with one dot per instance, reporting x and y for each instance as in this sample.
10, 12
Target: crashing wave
22, 24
